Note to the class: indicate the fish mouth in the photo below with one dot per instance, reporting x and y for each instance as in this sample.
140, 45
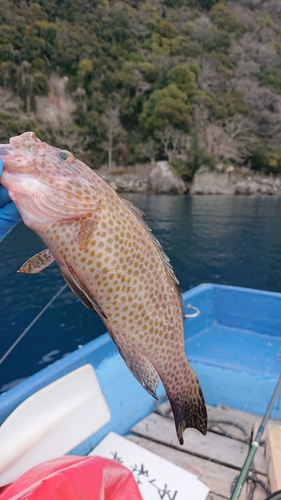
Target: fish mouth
9, 156
5, 149
6, 155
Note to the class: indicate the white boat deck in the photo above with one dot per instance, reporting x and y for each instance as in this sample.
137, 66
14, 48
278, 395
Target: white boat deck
217, 458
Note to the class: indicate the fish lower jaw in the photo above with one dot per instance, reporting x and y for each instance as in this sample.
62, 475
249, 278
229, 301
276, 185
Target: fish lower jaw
19, 185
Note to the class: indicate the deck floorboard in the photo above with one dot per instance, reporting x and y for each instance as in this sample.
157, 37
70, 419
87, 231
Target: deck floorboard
216, 458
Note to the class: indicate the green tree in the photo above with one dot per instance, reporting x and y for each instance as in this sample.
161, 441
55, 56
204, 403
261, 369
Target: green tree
166, 29
85, 71
273, 79
163, 59
206, 4
226, 20
184, 78
228, 105
25, 82
165, 107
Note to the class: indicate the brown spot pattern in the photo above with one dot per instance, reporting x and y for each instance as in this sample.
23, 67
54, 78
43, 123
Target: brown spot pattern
124, 269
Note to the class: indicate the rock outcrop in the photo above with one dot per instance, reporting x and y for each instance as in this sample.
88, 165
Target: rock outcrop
162, 180
159, 179
234, 182
126, 182
206, 182
251, 185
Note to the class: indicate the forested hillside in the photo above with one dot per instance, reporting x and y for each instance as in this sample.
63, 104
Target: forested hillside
196, 81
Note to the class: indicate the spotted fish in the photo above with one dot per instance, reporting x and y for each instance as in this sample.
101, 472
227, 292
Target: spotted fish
112, 262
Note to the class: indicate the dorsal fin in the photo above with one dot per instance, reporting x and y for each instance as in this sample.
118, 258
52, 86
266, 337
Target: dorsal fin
164, 257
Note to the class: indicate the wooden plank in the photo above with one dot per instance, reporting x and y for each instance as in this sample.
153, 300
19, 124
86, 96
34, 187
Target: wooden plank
273, 453
239, 420
249, 421
258, 495
271, 421
219, 449
240, 415
214, 496
163, 409
217, 477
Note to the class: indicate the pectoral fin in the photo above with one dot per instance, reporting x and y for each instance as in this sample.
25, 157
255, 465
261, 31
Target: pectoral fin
138, 364
87, 226
37, 263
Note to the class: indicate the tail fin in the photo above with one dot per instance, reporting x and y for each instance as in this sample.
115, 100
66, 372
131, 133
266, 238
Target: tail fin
188, 404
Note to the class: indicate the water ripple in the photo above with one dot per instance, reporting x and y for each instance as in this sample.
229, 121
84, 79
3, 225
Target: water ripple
223, 239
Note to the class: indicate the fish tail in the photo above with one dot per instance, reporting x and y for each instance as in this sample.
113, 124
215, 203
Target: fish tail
187, 402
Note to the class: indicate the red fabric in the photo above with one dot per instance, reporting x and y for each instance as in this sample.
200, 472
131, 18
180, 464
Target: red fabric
74, 478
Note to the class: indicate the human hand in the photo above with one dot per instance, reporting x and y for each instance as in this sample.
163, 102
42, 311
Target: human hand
9, 214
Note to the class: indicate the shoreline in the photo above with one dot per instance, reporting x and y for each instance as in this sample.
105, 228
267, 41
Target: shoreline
160, 179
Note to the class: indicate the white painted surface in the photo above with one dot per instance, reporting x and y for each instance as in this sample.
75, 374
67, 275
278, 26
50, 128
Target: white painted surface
157, 478
52, 422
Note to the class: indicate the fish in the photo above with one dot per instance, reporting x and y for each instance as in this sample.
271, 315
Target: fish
110, 259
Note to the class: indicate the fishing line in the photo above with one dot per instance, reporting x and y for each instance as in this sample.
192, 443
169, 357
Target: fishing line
211, 458
31, 324
254, 446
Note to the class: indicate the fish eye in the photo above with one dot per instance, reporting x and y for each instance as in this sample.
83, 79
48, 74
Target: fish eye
65, 155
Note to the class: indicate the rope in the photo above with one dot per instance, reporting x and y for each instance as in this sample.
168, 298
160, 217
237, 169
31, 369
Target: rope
31, 325
253, 479
212, 424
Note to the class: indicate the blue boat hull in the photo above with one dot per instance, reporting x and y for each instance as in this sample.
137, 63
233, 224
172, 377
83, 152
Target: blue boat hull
233, 346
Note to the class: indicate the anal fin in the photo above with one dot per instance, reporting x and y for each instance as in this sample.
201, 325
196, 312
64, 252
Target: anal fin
37, 263
138, 364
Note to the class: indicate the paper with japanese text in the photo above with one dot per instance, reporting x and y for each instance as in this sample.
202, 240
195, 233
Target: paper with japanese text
157, 478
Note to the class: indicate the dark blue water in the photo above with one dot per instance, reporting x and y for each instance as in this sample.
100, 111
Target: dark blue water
220, 239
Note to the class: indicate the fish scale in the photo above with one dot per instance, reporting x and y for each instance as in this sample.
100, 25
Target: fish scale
112, 262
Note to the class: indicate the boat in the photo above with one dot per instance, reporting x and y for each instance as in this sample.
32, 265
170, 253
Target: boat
232, 340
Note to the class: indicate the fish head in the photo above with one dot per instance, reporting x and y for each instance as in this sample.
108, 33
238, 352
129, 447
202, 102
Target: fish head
26, 154
39, 176
19, 156
27, 159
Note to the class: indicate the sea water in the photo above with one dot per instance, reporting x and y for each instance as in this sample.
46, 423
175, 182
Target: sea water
232, 240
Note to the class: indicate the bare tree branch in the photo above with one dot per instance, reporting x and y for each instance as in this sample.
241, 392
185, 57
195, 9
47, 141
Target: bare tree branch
170, 136
149, 150
113, 125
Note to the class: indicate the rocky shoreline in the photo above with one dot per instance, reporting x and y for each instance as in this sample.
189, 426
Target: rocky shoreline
160, 179
233, 181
